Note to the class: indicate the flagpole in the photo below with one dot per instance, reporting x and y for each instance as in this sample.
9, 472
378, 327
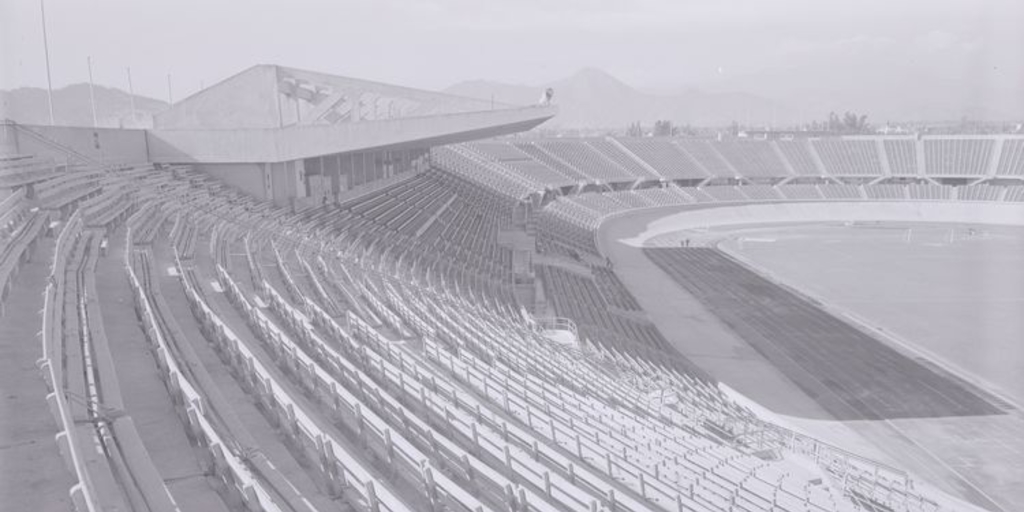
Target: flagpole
92, 94
46, 53
131, 94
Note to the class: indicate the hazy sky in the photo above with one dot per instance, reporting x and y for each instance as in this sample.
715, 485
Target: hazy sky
658, 44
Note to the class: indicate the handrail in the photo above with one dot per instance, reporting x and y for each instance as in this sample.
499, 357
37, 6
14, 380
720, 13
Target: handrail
557, 323
83, 492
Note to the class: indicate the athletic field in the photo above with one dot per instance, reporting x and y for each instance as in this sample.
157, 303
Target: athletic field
847, 370
956, 294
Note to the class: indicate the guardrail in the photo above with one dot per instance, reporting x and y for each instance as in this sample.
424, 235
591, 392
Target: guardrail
83, 492
557, 323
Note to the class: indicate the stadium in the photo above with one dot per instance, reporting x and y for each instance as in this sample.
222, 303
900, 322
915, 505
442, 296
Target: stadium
305, 292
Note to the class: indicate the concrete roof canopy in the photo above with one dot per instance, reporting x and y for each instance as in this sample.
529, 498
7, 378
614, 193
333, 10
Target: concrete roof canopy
270, 113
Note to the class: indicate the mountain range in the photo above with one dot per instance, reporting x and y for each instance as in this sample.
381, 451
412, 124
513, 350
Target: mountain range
71, 106
592, 98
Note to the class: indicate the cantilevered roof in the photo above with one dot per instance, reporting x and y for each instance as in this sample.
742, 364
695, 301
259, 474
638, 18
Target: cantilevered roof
273, 114
270, 96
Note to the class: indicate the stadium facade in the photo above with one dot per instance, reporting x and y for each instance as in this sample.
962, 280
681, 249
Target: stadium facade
287, 135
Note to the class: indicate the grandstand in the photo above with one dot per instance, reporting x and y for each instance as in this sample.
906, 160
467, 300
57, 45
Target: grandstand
352, 315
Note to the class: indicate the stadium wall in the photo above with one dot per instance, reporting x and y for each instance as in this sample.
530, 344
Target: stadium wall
248, 178
277, 182
102, 144
670, 219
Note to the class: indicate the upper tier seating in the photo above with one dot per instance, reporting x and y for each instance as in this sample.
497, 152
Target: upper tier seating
553, 161
798, 153
957, 157
512, 157
543, 164
1014, 194
704, 153
902, 157
849, 157
609, 149
752, 158
492, 176
1011, 159
533, 166
585, 159
664, 157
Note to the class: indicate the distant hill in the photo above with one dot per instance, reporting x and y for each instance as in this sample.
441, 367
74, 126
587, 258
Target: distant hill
71, 106
592, 98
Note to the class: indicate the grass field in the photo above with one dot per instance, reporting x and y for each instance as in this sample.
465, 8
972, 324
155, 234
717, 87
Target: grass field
956, 293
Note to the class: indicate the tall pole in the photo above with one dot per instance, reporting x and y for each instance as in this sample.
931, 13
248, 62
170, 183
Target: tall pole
92, 94
170, 96
46, 52
131, 93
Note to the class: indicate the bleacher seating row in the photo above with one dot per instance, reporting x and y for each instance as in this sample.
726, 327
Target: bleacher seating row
587, 300
22, 170
442, 224
19, 238
22, 223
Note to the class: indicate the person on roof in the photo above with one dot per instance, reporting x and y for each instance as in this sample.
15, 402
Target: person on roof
545, 99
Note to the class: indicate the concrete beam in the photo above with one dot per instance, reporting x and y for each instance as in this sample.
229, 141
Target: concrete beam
296, 142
